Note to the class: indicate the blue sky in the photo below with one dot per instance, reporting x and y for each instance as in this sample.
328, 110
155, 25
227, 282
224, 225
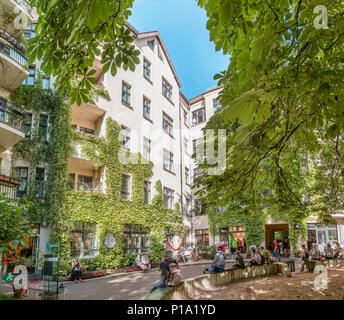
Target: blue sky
182, 25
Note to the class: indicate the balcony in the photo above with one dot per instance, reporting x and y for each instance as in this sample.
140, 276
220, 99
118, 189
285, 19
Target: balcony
11, 119
12, 70
79, 160
22, 5
88, 187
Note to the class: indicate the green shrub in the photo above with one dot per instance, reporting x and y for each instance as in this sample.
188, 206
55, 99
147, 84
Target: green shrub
211, 252
128, 259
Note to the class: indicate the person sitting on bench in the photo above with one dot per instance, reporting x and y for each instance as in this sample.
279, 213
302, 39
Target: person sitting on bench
329, 251
218, 262
256, 258
239, 260
314, 253
338, 251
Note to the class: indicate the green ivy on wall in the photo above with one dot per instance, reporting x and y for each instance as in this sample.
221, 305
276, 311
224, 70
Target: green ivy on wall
253, 224
109, 211
51, 154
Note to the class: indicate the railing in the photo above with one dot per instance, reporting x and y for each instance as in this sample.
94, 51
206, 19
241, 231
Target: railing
11, 115
12, 40
25, 5
86, 186
13, 54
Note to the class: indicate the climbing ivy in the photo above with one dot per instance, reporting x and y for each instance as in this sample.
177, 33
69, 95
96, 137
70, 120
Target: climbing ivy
109, 211
51, 154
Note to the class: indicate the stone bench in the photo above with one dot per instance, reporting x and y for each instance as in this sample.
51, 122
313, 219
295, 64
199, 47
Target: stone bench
191, 287
329, 263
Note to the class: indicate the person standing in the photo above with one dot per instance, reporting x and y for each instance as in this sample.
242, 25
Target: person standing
305, 257
182, 253
276, 252
76, 271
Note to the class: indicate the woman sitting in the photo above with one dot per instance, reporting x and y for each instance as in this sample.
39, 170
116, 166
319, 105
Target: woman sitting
329, 252
145, 261
76, 271
338, 251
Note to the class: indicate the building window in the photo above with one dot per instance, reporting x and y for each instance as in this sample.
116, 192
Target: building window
85, 183
40, 173
186, 118
167, 124
168, 198
200, 208
146, 69
195, 144
136, 239
187, 176
126, 93
186, 145
198, 116
151, 44
202, 237
71, 181
321, 234
146, 108
30, 80
147, 189
160, 54
126, 138
197, 173
45, 82
146, 148
27, 125
43, 128
84, 240
216, 105
30, 32
168, 161
166, 89
22, 174
187, 206
125, 187
84, 131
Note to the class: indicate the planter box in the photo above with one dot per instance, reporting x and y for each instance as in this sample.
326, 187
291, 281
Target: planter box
93, 274
131, 269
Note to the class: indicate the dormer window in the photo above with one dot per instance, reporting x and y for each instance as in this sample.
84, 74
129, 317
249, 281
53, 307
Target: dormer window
151, 44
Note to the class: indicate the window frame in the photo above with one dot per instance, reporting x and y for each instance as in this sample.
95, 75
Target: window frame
170, 198
168, 88
170, 159
167, 124
198, 116
128, 192
126, 93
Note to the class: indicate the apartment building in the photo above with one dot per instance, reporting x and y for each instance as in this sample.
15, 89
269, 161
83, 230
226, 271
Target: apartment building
13, 72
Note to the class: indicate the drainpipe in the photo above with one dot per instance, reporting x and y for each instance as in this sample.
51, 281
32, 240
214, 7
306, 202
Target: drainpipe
181, 162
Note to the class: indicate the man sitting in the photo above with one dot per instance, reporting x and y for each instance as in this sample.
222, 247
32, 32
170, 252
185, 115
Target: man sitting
164, 270
218, 262
338, 252
314, 253
329, 252
255, 259
239, 260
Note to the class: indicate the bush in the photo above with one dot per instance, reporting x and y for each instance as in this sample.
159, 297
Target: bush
211, 252
156, 251
128, 259
92, 264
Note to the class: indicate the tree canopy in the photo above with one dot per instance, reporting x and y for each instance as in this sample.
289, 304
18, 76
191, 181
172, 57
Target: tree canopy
72, 34
282, 105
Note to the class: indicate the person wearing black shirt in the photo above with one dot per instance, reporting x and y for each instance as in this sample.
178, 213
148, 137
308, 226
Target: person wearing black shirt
164, 269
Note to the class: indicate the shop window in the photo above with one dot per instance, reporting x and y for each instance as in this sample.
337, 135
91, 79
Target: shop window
84, 240
202, 237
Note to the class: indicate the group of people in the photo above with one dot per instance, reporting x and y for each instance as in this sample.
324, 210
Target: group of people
170, 275
316, 254
142, 262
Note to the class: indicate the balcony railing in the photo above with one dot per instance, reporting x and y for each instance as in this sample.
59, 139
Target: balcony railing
11, 115
13, 54
86, 186
25, 5
12, 40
